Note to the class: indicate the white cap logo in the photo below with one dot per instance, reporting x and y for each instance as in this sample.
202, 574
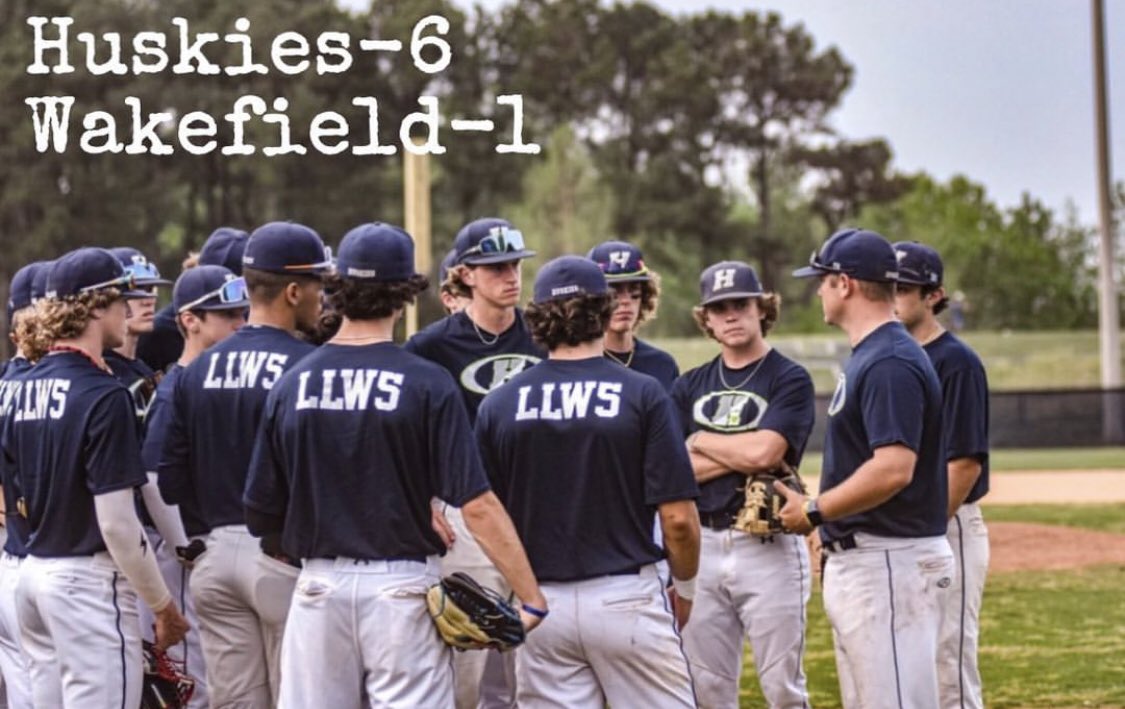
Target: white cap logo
619, 258
723, 279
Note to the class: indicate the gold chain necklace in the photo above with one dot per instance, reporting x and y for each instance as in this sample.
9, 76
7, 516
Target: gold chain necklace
623, 362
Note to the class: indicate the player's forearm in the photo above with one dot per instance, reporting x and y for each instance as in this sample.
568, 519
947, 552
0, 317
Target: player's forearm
963, 474
749, 452
127, 544
706, 469
491, 526
166, 517
876, 481
679, 521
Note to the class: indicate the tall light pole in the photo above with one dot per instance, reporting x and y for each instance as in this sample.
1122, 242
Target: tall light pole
1108, 318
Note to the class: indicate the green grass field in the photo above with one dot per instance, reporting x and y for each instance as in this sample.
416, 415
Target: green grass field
1045, 459
1015, 360
1048, 639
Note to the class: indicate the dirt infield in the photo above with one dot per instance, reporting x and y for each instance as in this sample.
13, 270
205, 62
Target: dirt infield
1040, 547
1063, 487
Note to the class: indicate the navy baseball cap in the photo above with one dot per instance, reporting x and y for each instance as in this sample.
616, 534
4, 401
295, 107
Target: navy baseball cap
489, 240
568, 276
224, 248
620, 262
287, 247
858, 253
727, 280
145, 273
21, 289
39, 281
918, 264
376, 252
87, 269
209, 288
447, 263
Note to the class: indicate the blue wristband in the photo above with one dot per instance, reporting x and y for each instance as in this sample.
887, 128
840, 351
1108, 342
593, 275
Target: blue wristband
532, 610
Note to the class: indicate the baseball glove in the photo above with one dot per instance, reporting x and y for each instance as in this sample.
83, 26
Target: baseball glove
469, 616
165, 686
759, 515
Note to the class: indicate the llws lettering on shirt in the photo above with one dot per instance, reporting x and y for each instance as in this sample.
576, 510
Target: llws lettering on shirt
244, 370
350, 390
729, 411
42, 399
484, 375
567, 401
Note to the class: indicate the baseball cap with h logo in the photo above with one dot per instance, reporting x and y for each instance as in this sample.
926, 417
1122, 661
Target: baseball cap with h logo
728, 280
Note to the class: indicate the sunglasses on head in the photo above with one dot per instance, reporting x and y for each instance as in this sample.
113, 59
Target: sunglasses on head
233, 291
499, 241
125, 281
326, 265
142, 270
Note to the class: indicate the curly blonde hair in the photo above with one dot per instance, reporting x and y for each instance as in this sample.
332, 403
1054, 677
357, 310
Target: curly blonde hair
57, 319
769, 305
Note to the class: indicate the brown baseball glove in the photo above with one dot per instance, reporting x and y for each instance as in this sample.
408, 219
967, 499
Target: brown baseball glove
759, 515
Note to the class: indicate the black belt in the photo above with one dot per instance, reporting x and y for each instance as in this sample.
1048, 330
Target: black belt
844, 543
717, 521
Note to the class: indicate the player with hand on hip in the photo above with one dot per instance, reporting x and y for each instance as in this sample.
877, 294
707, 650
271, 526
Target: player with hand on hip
747, 411
919, 299
355, 441
482, 346
241, 586
210, 304
584, 453
71, 462
636, 288
883, 487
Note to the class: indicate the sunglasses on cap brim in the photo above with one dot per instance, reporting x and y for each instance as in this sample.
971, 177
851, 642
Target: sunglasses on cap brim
500, 242
123, 282
233, 291
144, 272
327, 264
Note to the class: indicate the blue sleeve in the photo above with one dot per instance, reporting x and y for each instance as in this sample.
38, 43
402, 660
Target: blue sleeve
965, 413
893, 400
173, 473
484, 436
681, 401
791, 412
267, 487
157, 421
112, 451
667, 468
458, 472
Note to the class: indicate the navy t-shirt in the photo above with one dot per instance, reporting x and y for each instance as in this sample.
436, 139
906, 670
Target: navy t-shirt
15, 524
354, 443
779, 397
137, 377
164, 345
156, 429
71, 434
217, 403
964, 393
888, 394
454, 343
582, 452
650, 360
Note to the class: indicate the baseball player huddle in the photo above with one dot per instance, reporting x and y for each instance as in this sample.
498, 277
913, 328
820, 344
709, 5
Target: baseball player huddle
261, 483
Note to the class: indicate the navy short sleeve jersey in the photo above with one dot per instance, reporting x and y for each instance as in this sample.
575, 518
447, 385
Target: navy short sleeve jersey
217, 403
355, 442
70, 435
477, 362
582, 452
15, 524
163, 346
157, 421
137, 377
778, 397
888, 394
964, 392
652, 361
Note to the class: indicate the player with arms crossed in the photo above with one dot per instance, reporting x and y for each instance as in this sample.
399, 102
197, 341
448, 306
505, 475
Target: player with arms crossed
71, 462
882, 504
637, 292
210, 305
482, 346
919, 299
356, 440
746, 411
583, 452
241, 587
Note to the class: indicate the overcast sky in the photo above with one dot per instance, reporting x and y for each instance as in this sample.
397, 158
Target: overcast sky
1000, 90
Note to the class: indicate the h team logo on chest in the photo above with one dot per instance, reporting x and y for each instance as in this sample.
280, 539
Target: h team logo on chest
840, 396
729, 411
484, 375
